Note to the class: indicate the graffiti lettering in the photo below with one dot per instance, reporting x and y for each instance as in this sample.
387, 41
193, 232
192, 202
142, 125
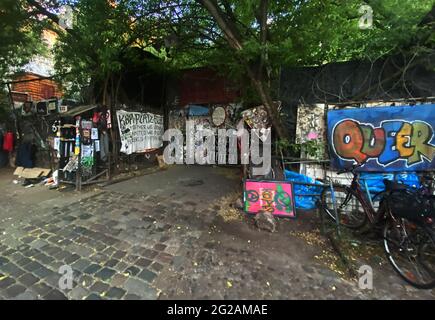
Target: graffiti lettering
268, 196
393, 140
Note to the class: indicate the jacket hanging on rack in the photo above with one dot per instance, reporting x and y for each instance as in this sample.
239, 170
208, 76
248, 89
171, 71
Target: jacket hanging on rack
8, 142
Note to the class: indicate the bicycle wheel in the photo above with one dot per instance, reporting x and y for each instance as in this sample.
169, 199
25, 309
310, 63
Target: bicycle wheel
350, 211
410, 248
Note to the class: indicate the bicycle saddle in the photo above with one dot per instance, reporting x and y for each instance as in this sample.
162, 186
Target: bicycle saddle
394, 186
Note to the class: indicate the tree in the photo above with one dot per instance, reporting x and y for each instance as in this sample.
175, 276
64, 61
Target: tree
262, 33
19, 36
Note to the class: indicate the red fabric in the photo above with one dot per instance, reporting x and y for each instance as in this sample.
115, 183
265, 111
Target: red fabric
96, 117
8, 142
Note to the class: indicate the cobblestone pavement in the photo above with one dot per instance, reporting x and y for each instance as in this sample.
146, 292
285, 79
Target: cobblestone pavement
160, 237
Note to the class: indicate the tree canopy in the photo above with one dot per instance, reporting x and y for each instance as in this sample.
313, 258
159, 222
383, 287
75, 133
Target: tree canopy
248, 39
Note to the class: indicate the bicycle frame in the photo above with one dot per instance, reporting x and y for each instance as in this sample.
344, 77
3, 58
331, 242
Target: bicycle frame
356, 190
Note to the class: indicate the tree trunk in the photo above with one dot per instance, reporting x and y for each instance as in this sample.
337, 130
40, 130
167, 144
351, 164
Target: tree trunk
263, 92
234, 40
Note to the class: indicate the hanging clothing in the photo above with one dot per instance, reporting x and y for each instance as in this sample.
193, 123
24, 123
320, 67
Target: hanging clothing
26, 155
8, 142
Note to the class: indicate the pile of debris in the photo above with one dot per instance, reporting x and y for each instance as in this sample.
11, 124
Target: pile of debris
29, 177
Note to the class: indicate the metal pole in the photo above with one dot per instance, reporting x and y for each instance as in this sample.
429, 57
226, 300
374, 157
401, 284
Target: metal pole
335, 208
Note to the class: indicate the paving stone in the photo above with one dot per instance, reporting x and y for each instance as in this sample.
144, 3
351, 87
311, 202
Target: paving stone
132, 270
121, 266
131, 296
65, 242
164, 238
142, 262
28, 239
6, 282
16, 256
9, 252
140, 288
164, 258
111, 263
53, 279
81, 264
27, 295
28, 279
43, 258
12, 269
93, 268
147, 275
85, 216
131, 258
55, 295
71, 258
159, 247
52, 250
83, 240
14, 290
78, 293
156, 267
105, 274
43, 272
32, 266
38, 244
3, 261
29, 228
99, 287
118, 280
115, 293
93, 296
119, 254
109, 251
41, 288
61, 255
150, 254
54, 239
83, 251
122, 245
97, 245
99, 258
85, 280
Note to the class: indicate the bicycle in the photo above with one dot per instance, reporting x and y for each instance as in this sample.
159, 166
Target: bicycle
407, 217
353, 207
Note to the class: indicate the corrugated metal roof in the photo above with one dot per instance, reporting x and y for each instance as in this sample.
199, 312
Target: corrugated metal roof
79, 110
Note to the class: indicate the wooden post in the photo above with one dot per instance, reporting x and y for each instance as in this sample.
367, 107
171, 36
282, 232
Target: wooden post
79, 164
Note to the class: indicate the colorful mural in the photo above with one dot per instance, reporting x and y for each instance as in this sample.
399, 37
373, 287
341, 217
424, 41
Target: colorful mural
275, 197
383, 139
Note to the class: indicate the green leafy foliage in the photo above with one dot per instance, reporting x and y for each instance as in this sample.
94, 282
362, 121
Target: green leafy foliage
19, 36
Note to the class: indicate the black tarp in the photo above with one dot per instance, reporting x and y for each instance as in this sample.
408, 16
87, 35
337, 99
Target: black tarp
395, 77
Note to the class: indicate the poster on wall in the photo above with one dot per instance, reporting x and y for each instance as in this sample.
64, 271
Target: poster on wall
275, 197
383, 138
139, 131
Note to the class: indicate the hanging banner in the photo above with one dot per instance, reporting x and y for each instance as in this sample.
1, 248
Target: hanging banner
139, 131
383, 138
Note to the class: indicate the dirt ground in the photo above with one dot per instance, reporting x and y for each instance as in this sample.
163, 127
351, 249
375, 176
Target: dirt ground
174, 234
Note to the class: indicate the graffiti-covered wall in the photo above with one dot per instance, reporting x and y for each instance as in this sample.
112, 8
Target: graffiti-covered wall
383, 138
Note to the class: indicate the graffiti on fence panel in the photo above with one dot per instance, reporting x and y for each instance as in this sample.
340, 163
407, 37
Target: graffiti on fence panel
275, 197
394, 144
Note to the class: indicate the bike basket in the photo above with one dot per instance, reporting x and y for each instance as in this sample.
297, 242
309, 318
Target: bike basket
410, 206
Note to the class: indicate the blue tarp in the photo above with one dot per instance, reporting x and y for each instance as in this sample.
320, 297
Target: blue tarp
304, 198
302, 201
375, 181
195, 110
